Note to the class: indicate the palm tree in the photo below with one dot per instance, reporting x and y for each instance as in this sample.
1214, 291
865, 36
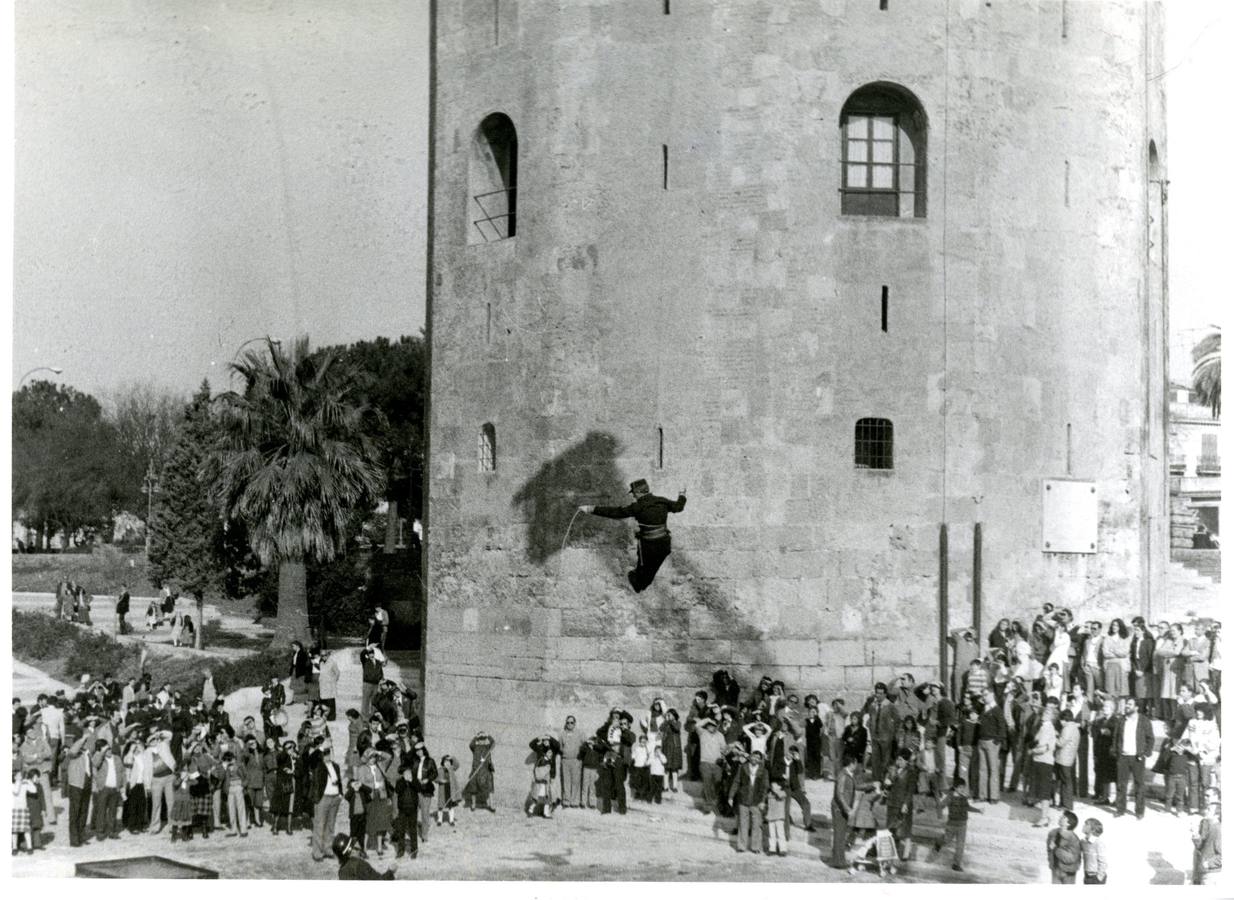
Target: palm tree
1206, 371
293, 464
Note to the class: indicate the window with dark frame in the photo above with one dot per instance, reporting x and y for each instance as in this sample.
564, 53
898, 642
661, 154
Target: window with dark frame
488, 448
883, 154
873, 444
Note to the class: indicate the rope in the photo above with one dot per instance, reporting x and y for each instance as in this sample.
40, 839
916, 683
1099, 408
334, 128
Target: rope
566, 537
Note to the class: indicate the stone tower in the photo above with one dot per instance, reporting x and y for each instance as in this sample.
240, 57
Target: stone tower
882, 287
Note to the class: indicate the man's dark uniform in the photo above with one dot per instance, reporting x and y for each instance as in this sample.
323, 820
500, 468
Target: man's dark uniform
655, 542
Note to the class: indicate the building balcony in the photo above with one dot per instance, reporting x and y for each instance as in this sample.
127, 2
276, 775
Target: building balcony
1208, 466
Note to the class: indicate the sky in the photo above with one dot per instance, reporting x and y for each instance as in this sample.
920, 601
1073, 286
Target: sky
192, 174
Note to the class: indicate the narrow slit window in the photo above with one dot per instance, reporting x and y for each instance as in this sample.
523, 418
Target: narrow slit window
659, 448
664, 164
1067, 183
488, 448
1068, 448
884, 308
668, 7
496, 22
873, 446
488, 324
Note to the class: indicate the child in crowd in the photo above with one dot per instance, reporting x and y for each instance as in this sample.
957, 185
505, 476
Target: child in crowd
357, 814
181, 817
1093, 848
777, 810
25, 786
447, 790
655, 774
965, 741
1177, 771
1063, 850
958, 808
640, 769
592, 755
1054, 684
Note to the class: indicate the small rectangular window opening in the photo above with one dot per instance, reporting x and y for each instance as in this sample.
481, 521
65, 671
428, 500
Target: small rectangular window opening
664, 160
1067, 183
882, 4
884, 308
873, 445
667, 8
1064, 20
659, 448
488, 324
1068, 448
496, 22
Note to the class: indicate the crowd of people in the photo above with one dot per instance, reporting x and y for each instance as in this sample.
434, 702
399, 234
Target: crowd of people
1054, 713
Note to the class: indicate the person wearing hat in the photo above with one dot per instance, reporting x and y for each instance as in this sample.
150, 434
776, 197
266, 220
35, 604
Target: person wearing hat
711, 746
748, 793
479, 783
654, 540
351, 867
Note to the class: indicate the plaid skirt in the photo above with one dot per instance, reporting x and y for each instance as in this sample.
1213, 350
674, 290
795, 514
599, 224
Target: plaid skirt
203, 806
21, 819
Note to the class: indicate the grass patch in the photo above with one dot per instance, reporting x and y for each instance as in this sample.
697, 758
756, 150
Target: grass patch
100, 572
67, 651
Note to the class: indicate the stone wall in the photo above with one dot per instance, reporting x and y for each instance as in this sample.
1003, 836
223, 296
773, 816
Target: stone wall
738, 311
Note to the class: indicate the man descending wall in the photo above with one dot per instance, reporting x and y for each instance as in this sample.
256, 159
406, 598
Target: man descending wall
655, 542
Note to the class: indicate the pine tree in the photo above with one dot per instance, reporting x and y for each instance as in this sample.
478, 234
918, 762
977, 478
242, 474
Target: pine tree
187, 532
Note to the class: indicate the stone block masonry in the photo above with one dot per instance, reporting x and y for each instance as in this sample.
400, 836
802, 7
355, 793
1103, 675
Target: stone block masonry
725, 335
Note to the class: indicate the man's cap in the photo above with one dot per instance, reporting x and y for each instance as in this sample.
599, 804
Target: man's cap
640, 486
703, 723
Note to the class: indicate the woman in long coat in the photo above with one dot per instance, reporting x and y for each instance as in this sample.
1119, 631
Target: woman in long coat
814, 743
1166, 654
1105, 767
283, 794
1116, 660
670, 745
480, 781
300, 670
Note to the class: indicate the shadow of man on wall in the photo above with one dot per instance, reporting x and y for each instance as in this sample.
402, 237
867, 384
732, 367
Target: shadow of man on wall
588, 472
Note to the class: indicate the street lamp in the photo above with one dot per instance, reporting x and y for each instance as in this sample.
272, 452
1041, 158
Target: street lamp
149, 487
56, 369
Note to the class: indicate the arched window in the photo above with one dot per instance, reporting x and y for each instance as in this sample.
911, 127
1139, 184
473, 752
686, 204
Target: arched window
874, 445
883, 130
1154, 162
492, 181
487, 448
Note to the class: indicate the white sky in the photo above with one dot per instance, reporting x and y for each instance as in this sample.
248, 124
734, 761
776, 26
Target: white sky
195, 173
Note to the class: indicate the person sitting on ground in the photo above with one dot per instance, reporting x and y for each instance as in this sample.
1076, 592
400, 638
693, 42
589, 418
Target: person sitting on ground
351, 867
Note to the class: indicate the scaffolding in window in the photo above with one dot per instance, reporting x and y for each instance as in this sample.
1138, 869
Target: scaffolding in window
496, 208
487, 449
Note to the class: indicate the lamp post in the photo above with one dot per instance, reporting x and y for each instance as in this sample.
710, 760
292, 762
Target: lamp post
56, 369
149, 487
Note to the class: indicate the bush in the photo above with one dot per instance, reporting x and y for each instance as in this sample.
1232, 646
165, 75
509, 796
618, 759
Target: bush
67, 651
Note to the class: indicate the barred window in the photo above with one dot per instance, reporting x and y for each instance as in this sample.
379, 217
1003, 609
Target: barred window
488, 448
883, 148
874, 444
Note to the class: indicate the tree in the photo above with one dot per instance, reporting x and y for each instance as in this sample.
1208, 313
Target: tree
1206, 371
391, 379
294, 461
145, 419
187, 533
63, 461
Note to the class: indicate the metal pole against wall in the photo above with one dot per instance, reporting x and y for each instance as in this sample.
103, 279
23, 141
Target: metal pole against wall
942, 603
977, 632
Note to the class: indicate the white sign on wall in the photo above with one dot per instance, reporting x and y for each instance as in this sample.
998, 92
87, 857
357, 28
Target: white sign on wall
1068, 516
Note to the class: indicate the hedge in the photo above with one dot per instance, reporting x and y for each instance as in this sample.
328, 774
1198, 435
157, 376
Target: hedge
67, 651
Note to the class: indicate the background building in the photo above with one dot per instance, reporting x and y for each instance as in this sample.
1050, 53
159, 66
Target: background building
882, 287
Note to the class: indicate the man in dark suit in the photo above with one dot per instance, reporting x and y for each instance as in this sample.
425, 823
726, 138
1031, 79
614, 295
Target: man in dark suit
842, 812
1133, 742
748, 794
327, 787
655, 542
796, 789
883, 725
